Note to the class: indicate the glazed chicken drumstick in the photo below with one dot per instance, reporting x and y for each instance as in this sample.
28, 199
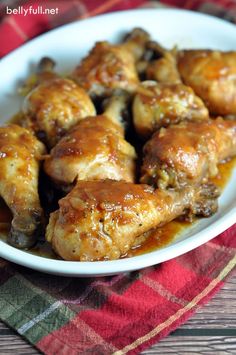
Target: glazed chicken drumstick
53, 107
188, 153
212, 75
100, 220
109, 67
94, 149
20, 154
158, 105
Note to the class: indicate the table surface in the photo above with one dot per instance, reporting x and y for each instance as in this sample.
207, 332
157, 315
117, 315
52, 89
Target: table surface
212, 330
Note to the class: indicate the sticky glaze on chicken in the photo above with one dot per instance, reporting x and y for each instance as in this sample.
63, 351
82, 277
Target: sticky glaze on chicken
109, 67
158, 105
94, 149
101, 220
212, 75
188, 153
54, 106
20, 153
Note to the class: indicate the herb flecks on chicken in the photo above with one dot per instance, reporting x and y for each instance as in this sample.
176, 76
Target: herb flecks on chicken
100, 220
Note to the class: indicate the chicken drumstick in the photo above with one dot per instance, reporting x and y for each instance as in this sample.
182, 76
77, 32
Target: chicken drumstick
212, 75
53, 107
188, 153
94, 149
109, 67
101, 220
20, 153
158, 105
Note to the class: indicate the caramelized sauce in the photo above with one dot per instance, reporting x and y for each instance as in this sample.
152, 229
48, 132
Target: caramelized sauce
159, 237
154, 239
224, 174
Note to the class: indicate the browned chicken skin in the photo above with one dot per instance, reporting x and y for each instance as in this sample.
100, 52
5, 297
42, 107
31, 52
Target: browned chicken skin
101, 220
109, 67
188, 153
94, 149
212, 75
20, 153
158, 105
54, 106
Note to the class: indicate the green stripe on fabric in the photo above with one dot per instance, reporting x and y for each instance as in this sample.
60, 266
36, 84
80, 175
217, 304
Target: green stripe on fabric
33, 313
53, 321
37, 305
14, 292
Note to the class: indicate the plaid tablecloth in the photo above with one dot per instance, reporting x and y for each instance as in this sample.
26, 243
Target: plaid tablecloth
17, 29
124, 313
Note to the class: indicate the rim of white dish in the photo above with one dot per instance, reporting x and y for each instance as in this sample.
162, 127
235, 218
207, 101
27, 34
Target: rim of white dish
185, 13
109, 267
100, 268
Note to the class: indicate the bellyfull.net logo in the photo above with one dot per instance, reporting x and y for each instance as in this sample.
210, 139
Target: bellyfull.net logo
39, 10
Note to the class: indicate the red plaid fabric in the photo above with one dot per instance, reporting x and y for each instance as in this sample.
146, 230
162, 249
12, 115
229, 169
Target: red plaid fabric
17, 29
128, 312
